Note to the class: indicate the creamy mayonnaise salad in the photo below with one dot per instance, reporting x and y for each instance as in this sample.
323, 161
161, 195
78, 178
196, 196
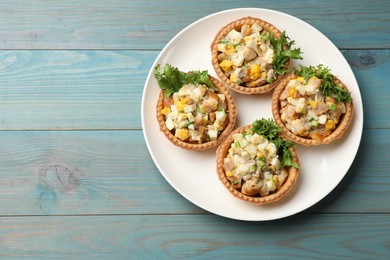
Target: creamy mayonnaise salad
305, 110
253, 165
195, 113
246, 56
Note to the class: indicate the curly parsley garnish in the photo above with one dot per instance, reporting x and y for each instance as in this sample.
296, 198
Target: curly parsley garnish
328, 86
283, 52
270, 130
172, 79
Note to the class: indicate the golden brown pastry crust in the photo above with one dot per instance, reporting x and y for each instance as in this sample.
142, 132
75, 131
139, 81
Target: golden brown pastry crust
337, 133
237, 24
221, 153
232, 114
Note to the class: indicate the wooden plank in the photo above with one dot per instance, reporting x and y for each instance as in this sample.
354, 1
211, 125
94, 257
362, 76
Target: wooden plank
202, 237
103, 89
371, 69
71, 24
82, 172
111, 172
72, 89
366, 181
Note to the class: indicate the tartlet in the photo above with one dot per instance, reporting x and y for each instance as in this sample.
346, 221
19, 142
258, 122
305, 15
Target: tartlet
250, 55
194, 110
256, 165
313, 106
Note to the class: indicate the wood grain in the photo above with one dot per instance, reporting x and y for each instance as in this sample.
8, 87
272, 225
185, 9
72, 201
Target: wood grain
76, 178
82, 172
312, 236
111, 172
138, 24
72, 89
102, 89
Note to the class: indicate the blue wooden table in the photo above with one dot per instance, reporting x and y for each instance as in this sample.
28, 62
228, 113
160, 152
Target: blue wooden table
76, 177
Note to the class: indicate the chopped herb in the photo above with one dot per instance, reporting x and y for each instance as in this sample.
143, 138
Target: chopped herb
313, 123
264, 36
224, 42
328, 86
266, 128
254, 167
261, 162
187, 124
270, 130
172, 79
332, 107
283, 52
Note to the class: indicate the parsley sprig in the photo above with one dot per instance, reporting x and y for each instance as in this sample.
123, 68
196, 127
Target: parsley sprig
270, 130
172, 79
283, 52
328, 86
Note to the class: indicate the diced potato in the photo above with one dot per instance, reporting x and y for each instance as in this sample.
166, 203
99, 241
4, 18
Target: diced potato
256, 27
234, 36
322, 119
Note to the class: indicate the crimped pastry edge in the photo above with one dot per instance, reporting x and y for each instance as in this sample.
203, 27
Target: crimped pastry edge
232, 109
214, 52
221, 153
336, 134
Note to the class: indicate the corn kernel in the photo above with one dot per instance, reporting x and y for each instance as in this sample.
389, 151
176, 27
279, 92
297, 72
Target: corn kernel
229, 174
291, 91
313, 103
251, 84
301, 79
260, 155
229, 49
247, 38
233, 78
180, 106
329, 124
185, 100
182, 134
226, 65
165, 111
276, 179
255, 72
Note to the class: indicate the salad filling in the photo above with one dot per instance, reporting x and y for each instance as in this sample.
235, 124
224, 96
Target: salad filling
312, 104
253, 57
194, 110
195, 113
258, 159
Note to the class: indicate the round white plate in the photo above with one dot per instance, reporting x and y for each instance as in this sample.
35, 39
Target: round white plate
193, 173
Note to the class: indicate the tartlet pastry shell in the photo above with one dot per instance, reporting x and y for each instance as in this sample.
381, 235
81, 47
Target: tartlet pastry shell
232, 115
221, 153
337, 133
237, 24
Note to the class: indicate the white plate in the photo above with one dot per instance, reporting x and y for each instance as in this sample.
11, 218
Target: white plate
192, 173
